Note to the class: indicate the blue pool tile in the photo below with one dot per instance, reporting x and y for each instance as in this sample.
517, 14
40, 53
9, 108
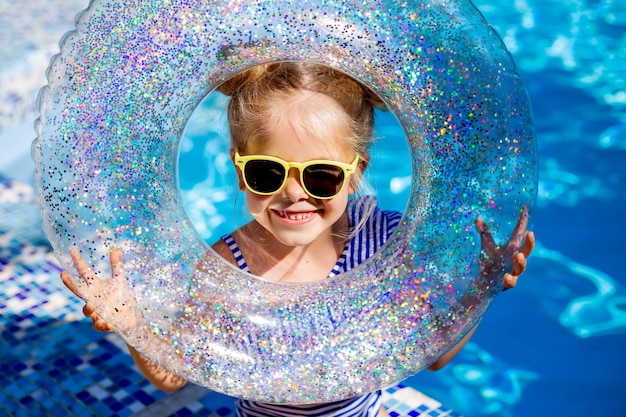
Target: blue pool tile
86, 397
224, 411
143, 397
183, 412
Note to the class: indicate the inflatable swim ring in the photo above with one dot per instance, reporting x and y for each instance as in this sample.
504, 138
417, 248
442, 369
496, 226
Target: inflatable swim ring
118, 97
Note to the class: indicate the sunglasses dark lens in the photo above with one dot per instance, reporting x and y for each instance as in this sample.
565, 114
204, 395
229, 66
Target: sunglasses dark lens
323, 180
264, 176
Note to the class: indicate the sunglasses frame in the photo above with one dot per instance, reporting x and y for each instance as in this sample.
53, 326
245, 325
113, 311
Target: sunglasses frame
348, 169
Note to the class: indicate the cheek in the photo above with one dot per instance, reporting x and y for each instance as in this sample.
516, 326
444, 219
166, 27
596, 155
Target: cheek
337, 205
256, 203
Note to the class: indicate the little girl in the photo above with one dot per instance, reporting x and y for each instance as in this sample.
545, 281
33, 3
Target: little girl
300, 135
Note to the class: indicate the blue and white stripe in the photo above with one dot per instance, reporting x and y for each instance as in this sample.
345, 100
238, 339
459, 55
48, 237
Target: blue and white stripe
232, 245
370, 236
367, 405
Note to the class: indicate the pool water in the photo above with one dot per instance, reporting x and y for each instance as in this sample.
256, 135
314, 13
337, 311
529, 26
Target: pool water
553, 346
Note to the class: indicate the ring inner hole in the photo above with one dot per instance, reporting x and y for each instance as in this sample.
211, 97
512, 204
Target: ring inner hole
207, 178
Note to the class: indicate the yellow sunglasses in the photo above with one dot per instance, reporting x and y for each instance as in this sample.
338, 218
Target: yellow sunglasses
321, 179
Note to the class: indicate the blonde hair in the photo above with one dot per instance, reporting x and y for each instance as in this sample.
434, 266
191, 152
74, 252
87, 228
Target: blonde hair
252, 90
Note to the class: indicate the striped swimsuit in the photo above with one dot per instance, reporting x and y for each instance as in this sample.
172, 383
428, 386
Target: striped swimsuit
372, 234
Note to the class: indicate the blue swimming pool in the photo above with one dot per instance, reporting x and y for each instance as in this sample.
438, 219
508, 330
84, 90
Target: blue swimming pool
554, 346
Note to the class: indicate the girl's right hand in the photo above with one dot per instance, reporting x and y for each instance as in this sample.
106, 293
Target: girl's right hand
115, 298
119, 307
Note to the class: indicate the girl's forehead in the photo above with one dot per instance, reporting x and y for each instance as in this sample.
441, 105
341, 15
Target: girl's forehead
317, 126
288, 139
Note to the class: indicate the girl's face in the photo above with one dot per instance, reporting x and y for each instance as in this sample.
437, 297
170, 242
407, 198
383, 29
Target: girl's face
292, 216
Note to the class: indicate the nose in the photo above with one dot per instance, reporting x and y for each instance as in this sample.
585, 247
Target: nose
292, 189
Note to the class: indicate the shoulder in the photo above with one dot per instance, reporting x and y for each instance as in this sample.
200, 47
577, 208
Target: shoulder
232, 246
365, 209
223, 250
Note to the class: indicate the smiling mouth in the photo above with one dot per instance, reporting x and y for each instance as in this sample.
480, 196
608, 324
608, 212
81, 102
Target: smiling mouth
296, 216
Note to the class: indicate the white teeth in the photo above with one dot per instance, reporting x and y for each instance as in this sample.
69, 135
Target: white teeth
295, 216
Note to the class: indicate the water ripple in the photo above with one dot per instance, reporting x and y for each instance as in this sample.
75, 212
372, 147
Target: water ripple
600, 312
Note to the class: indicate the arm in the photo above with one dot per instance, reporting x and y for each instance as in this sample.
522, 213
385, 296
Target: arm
157, 375
445, 359
494, 254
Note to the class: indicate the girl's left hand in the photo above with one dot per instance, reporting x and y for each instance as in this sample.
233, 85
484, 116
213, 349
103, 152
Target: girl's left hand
493, 256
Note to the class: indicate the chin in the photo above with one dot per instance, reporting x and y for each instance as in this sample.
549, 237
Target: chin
294, 241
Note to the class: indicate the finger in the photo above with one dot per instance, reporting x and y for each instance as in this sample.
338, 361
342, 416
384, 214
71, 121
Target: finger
117, 266
486, 239
101, 325
81, 265
522, 221
89, 311
519, 264
67, 281
510, 281
519, 230
529, 244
